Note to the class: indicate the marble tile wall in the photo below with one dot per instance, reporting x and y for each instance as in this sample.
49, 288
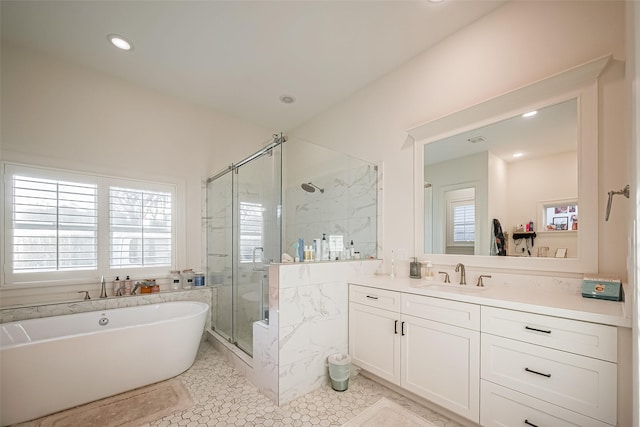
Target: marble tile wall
309, 322
348, 207
23, 313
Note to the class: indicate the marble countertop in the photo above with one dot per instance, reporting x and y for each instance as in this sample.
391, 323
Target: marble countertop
549, 296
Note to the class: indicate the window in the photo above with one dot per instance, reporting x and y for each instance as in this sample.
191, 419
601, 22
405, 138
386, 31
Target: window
464, 223
139, 228
461, 221
61, 225
55, 225
559, 215
250, 231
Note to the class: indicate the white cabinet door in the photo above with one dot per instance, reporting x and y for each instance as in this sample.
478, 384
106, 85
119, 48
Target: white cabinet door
374, 341
441, 363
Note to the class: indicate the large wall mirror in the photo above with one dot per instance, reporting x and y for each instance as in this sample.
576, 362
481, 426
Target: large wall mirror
512, 182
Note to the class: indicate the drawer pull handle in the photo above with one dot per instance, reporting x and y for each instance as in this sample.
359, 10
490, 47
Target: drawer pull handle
402, 327
537, 330
370, 297
537, 373
529, 423
395, 327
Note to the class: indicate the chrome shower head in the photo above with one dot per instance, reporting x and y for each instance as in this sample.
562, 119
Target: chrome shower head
311, 188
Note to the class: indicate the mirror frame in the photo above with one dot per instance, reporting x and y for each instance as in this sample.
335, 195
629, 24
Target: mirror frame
580, 83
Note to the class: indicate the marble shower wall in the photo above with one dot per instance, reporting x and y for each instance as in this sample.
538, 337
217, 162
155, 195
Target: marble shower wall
347, 207
309, 322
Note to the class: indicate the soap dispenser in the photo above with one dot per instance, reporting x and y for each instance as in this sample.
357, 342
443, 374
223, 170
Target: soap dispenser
414, 269
429, 275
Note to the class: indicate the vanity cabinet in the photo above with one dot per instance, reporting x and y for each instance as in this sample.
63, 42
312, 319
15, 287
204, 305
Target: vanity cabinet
540, 370
429, 346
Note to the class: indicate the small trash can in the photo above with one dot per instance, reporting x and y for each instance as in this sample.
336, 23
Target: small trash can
339, 371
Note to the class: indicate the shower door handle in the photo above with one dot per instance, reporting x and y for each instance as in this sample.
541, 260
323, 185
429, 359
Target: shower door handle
253, 261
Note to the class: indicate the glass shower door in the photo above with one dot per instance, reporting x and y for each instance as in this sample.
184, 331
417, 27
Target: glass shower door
220, 252
257, 188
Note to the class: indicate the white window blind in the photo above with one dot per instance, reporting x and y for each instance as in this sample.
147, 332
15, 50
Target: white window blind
140, 231
55, 225
464, 223
250, 231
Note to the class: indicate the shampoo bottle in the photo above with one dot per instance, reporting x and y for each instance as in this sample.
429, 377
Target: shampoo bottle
325, 248
116, 286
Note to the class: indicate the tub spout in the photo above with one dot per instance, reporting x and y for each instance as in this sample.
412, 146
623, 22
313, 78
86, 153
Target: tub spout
103, 289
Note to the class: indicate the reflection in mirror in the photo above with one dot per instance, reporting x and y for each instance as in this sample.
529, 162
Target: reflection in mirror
522, 172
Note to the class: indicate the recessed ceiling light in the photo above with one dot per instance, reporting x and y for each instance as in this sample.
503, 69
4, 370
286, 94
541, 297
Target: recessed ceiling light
516, 155
120, 42
530, 114
287, 99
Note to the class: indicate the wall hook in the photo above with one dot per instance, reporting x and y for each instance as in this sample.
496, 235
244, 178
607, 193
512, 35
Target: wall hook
624, 192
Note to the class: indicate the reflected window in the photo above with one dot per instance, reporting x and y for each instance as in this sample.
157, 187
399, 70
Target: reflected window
560, 216
250, 231
461, 221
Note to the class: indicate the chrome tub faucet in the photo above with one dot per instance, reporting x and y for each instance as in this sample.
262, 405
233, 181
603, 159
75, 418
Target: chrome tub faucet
463, 275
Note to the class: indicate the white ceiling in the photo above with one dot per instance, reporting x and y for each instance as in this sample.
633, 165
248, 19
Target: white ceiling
239, 57
552, 130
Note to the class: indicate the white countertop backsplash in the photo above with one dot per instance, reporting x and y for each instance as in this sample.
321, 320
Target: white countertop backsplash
551, 296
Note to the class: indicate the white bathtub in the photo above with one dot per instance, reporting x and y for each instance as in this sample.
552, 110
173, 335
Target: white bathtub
54, 363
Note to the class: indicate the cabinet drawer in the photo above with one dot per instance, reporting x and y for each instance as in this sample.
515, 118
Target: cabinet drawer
588, 339
578, 383
381, 298
504, 407
441, 310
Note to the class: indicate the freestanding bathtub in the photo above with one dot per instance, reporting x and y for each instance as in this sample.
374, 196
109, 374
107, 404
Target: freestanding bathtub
54, 363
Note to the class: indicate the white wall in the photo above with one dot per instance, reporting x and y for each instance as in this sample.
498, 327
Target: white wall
518, 44
60, 115
527, 186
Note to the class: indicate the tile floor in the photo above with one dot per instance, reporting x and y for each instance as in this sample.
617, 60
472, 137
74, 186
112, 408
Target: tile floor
223, 397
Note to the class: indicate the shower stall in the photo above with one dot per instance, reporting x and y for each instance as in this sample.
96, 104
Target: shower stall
260, 207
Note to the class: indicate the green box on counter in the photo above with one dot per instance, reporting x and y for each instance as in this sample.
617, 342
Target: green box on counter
607, 289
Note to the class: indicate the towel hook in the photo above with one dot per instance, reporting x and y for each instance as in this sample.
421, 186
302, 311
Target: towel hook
624, 192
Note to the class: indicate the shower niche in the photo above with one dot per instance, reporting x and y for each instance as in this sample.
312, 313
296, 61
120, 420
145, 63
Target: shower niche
259, 208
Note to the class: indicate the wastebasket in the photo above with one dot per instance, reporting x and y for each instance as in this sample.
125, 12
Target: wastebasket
339, 370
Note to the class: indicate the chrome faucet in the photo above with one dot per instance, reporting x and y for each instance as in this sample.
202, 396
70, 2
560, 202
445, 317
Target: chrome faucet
103, 290
86, 294
463, 275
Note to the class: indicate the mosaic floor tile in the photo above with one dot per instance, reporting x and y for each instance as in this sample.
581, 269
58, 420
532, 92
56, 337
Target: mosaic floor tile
223, 397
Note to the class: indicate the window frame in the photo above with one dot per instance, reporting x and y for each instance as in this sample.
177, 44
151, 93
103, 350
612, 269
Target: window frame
9, 279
